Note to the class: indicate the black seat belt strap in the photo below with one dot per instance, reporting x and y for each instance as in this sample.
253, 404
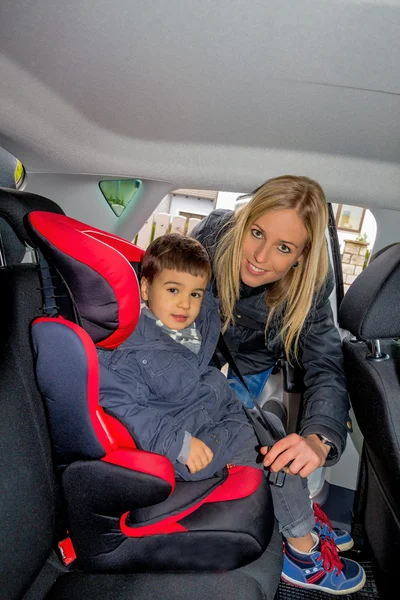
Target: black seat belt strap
266, 432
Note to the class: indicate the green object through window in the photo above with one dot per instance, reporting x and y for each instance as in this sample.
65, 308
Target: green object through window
119, 193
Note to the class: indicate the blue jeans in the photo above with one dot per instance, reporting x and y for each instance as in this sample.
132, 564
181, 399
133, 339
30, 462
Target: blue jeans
292, 506
291, 502
255, 384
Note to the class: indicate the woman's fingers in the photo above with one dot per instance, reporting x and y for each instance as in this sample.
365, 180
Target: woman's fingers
305, 463
280, 447
283, 460
306, 470
294, 455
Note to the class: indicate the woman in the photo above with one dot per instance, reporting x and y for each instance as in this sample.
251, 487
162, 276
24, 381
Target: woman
271, 275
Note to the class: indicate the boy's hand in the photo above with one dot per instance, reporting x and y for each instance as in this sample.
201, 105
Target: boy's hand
199, 457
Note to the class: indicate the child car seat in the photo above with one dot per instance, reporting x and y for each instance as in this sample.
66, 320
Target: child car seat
125, 510
30, 506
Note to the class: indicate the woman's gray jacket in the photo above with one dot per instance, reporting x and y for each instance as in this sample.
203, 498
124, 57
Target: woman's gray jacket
326, 403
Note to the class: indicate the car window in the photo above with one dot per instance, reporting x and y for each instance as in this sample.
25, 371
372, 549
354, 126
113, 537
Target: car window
119, 193
12, 172
356, 227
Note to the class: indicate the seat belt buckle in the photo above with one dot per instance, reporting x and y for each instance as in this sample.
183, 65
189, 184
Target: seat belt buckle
67, 551
276, 479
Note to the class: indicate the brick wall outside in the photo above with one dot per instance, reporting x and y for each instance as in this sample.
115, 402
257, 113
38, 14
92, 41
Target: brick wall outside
353, 259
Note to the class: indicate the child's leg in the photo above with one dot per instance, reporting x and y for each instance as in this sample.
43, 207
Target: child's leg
292, 505
309, 561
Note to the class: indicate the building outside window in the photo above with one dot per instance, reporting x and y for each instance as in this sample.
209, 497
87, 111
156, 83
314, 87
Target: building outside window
349, 218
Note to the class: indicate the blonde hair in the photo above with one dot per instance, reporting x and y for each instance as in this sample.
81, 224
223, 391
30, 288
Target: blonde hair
289, 299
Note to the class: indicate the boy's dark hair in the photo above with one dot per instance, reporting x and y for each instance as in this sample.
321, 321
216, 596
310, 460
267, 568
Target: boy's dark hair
178, 252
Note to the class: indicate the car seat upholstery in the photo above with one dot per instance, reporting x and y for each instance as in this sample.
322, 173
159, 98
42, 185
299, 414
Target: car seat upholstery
30, 509
112, 525
370, 311
13, 239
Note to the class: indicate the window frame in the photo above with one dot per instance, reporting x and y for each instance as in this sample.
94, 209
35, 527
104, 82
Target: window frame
348, 230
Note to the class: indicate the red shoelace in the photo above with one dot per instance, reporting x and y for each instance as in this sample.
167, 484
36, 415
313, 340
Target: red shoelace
321, 516
330, 556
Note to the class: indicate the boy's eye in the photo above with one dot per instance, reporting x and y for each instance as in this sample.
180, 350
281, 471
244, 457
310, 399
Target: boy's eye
196, 295
172, 290
283, 248
256, 233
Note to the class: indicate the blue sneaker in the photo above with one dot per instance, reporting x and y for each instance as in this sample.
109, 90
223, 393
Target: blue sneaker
322, 569
323, 528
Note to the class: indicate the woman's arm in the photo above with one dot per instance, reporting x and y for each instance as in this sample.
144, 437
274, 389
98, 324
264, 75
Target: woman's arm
326, 402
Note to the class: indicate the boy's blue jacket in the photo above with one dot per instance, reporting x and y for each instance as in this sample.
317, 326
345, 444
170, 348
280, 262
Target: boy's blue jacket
159, 389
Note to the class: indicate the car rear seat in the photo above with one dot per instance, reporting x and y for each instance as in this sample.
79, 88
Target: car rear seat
30, 507
370, 312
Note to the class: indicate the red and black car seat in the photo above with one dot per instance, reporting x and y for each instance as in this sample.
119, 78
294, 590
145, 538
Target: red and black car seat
125, 511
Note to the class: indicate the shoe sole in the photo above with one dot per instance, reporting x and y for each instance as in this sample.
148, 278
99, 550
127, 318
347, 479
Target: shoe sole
346, 546
312, 586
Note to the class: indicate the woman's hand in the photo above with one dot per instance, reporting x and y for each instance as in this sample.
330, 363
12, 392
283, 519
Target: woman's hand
305, 454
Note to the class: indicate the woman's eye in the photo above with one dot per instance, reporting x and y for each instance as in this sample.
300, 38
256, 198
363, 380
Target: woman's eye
283, 248
256, 233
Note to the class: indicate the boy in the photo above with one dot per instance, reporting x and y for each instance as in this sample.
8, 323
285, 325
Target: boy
160, 385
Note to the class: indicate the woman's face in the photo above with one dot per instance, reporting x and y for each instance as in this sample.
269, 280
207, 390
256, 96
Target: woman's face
271, 246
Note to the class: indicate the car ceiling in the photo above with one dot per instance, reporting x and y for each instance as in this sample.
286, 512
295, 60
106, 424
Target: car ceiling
207, 94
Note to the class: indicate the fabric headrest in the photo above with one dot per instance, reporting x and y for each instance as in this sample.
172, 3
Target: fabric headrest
370, 308
15, 205
96, 267
12, 249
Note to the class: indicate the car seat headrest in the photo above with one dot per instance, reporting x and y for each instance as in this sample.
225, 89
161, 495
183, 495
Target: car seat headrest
15, 205
11, 247
370, 308
96, 268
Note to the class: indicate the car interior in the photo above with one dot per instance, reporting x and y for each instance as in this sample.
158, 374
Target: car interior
156, 96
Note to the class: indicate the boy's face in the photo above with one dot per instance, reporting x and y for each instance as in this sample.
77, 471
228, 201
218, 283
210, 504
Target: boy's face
174, 297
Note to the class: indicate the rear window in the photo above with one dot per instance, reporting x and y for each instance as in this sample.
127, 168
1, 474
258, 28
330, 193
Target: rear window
12, 172
119, 193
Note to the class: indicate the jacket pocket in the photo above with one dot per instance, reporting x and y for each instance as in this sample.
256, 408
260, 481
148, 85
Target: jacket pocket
168, 375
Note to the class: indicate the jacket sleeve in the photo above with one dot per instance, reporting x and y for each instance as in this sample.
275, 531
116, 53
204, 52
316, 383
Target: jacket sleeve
326, 402
126, 398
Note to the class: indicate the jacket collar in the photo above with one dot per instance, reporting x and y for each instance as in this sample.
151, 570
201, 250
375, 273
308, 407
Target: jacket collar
149, 335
